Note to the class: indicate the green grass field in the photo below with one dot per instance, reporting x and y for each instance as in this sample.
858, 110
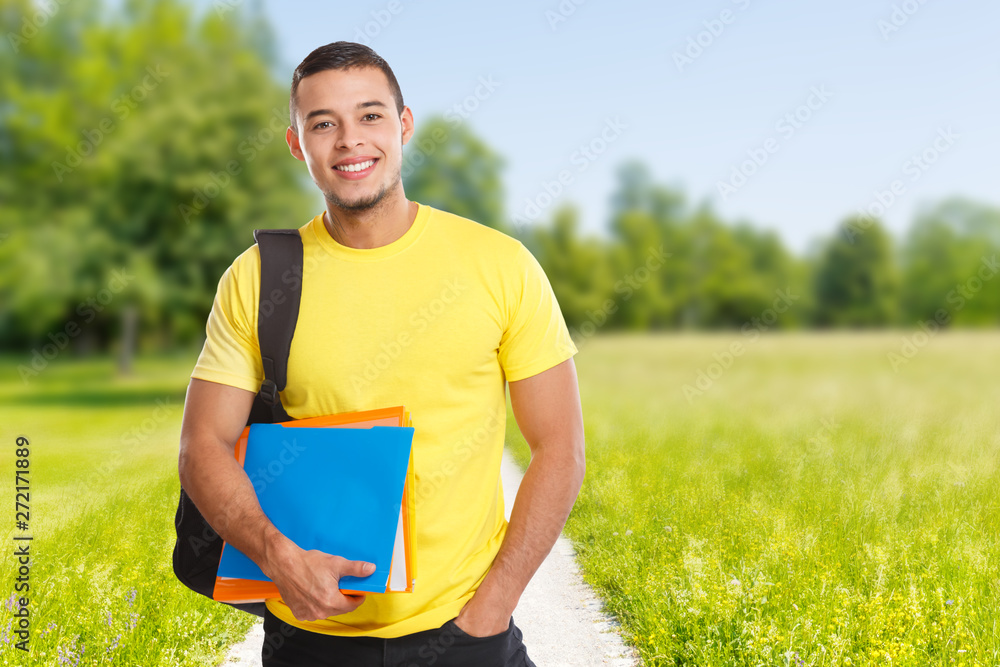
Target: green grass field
810, 507
103, 477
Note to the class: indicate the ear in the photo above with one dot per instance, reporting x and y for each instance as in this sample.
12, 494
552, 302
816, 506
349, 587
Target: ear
294, 146
406, 120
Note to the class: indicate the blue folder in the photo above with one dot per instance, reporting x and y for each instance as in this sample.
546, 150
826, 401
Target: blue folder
337, 490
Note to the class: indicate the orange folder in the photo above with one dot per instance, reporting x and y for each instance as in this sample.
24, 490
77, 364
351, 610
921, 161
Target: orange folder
403, 571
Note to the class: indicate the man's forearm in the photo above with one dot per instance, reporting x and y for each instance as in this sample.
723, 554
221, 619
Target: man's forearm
225, 497
544, 500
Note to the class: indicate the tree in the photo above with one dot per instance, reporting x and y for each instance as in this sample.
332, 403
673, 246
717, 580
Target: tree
856, 284
651, 269
714, 275
949, 265
578, 270
147, 145
448, 167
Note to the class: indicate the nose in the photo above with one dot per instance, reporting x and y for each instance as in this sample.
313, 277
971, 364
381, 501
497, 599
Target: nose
349, 136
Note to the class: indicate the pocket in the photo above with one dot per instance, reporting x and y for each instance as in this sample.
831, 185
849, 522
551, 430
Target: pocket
460, 649
459, 632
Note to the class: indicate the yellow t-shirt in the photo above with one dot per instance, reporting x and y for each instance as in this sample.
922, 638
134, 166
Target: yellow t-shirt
437, 320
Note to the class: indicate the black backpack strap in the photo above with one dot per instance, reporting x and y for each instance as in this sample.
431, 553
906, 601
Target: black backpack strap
277, 313
198, 547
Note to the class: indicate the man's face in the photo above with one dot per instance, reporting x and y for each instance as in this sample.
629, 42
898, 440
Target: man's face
350, 136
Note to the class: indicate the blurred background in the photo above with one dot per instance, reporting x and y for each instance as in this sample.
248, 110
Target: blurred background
693, 177
826, 151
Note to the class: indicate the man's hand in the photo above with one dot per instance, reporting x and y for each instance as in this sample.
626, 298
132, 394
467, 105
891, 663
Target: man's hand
548, 412
481, 622
214, 417
309, 581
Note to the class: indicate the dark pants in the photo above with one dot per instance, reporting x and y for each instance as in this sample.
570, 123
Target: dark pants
447, 646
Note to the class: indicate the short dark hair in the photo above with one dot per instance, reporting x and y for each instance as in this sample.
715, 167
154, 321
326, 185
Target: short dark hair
342, 56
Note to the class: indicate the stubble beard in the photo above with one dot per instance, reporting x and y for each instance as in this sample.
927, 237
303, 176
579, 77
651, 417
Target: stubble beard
369, 203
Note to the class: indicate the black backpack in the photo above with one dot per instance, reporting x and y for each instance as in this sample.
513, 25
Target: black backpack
199, 548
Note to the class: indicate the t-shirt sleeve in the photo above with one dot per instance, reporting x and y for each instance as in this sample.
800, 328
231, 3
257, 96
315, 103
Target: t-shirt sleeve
536, 337
231, 354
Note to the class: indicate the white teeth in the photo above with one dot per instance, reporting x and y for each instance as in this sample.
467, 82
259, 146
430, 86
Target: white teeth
359, 166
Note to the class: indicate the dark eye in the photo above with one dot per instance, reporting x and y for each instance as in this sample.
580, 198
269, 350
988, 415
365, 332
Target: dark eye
319, 125
371, 116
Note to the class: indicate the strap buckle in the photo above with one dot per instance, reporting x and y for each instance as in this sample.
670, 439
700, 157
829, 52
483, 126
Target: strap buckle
269, 392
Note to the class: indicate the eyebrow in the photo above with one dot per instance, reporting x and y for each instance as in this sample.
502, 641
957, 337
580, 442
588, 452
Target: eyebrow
327, 112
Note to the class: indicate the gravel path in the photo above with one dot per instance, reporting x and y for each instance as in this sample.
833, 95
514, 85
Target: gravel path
561, 618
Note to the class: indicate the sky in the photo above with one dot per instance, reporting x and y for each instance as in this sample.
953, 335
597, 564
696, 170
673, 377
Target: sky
788, 115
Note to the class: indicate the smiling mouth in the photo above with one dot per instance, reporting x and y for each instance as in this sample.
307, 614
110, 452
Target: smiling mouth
357, 166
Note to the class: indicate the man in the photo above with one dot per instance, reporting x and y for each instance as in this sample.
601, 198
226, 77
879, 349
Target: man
401, 304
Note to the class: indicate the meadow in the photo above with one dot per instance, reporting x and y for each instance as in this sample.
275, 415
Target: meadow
811, 506
103, 478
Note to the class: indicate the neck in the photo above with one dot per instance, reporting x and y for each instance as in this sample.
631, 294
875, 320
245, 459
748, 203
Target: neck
371, 228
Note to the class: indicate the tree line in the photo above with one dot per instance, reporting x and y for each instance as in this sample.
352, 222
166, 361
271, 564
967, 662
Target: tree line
665, 264
141, 145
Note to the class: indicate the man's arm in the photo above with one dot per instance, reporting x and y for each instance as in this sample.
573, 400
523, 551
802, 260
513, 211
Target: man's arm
214, 417
547, 409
